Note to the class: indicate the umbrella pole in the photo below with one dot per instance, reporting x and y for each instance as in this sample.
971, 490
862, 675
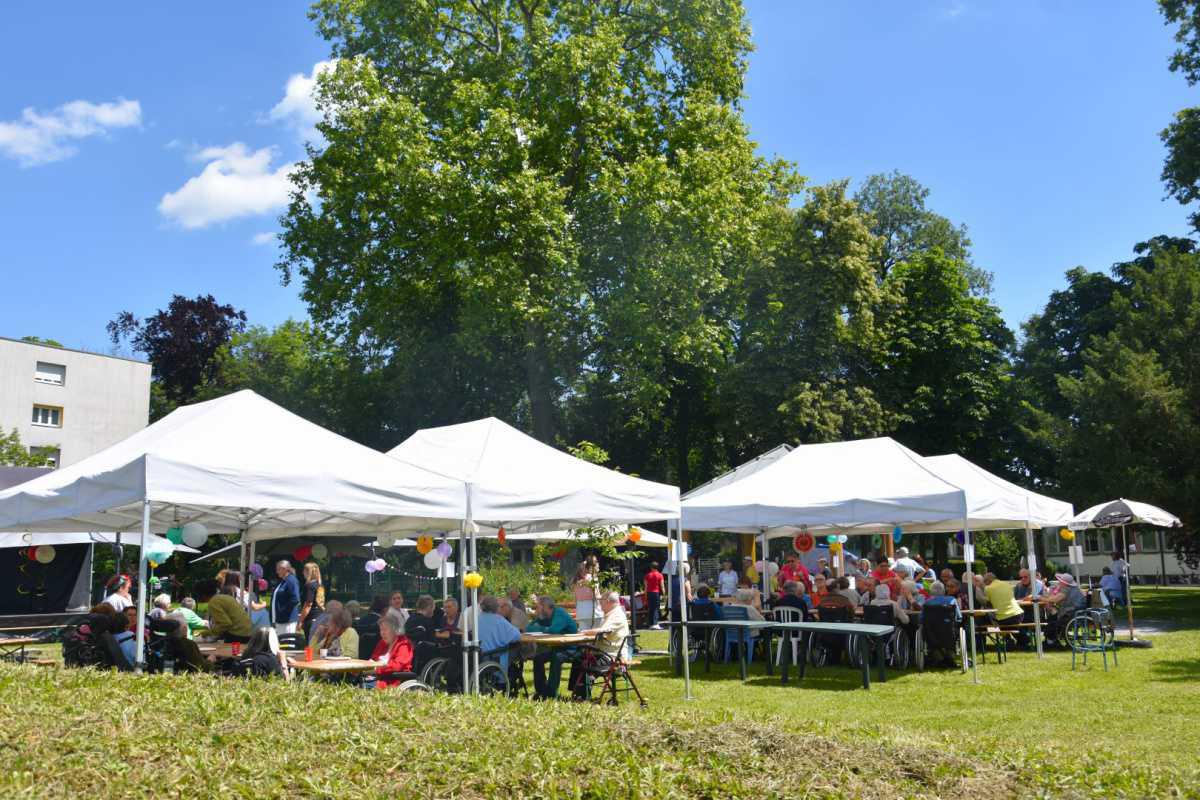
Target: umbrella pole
1031, 566
140, 641
1128, 583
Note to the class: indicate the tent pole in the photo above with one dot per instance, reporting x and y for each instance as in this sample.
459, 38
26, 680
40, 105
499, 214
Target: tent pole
140, 641
246, 575
243, 547
970, 576
1128, 583
442, 569
683, 612
462, 604
1031, 566
766, 567
474, 615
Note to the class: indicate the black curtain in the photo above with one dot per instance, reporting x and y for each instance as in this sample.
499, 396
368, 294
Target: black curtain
35, 588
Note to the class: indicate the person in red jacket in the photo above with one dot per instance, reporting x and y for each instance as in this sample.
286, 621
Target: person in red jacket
793, 570
654, 587
395, 647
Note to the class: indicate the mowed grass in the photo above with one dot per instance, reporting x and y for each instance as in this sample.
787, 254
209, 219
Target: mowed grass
1032, 728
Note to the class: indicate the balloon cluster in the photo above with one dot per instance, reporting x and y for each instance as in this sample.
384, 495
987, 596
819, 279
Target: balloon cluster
472, 580
376, 565
635, 535
43, 554
424, 544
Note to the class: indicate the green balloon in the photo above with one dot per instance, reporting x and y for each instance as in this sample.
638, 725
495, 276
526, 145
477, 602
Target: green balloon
175, 535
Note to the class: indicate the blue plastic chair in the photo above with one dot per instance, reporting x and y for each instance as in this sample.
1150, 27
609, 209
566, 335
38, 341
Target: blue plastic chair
736, 637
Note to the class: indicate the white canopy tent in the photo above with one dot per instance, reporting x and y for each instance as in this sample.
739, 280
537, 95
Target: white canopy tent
36, 539
238, 464
510, 480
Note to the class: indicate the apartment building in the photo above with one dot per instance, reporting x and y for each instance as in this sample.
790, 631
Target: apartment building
68, 404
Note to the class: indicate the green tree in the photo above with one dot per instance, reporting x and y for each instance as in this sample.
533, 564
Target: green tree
40, 340
554, 190
15, 454
1181, 170
906, 228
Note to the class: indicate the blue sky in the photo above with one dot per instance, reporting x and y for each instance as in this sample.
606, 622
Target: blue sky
152, 161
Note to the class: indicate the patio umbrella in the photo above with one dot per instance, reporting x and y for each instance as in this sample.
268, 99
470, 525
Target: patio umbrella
1117, 514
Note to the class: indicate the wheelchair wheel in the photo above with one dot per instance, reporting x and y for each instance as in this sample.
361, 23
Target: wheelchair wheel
693, 644
962, 648
491, 679
433, 675
413, 685
902, 651
820, 655
919, 651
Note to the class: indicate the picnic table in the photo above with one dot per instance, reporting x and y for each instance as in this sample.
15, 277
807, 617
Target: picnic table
13, 647
870, 633
742, 626
333, 666
557, 639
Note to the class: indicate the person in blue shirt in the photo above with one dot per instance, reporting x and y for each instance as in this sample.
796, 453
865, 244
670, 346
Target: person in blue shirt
496, 634
938, 597
285, 600
549, 618
126, 639
1111, 585
703, 607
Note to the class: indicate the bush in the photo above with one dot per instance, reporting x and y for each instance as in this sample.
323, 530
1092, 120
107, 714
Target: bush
499, 577
1001, 549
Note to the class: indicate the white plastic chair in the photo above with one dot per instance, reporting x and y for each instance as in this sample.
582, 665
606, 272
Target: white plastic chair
787, 614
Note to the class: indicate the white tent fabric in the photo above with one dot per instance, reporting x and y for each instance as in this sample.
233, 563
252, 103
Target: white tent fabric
649, 538
840, 484
236, 463
741, 471
516, 482
128, 540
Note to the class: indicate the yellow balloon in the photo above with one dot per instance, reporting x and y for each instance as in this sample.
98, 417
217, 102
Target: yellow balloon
472, 580
1067, 534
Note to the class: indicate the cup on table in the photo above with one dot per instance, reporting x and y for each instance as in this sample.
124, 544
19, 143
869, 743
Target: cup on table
236, 648
324, 652
308, 654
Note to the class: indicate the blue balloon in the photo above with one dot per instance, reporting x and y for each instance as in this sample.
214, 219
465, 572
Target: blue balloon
897, 534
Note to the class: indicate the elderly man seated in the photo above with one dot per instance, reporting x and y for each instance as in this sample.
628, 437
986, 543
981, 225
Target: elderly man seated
549, 618
496, 634
516, 616
794, 597
1027, 587
610, 637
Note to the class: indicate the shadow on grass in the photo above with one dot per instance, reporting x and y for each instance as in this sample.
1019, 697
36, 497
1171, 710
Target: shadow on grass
832, 678
1177, 670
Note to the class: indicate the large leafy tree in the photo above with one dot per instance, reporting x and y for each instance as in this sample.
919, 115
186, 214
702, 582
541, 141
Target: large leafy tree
181, 342
15, 454
1181, 170
543, 194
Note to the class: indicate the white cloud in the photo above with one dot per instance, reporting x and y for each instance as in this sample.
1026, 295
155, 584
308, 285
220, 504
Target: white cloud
298, 108
41, 138
234, 183
262, 238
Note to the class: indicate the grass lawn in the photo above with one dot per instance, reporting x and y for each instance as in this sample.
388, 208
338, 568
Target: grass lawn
1033, 728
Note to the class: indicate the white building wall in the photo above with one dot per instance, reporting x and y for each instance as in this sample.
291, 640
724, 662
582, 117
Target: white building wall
104, 399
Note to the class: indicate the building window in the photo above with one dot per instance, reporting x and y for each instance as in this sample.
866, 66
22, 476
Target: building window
1053, 543
1147, 541
48, 416
54, 374
53, 455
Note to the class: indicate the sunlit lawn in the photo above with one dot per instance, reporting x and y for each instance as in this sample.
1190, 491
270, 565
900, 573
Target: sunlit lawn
1032, 727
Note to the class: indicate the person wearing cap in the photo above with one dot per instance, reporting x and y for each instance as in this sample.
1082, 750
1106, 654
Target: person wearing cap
903, 560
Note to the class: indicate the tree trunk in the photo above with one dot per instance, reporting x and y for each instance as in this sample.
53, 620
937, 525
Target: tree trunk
539, 382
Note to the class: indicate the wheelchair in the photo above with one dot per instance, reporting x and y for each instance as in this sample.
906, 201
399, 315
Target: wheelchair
898, 649
939, 631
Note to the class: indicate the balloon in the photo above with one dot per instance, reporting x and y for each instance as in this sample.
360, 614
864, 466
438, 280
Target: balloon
433, 560
159, 556
835, 548
472, 580
261, 583
1067, 534
635, 535
772, 568
897, 534
31, 553
803, 542
44, 554
175, 535
843, 538
424, 544
152, 564
303, 552
831, 538
371, 567
1133, 548
256, 570
319, 550
379, 562
501, 536
752, 574
876, 541
445, 549
194, 534
960, 537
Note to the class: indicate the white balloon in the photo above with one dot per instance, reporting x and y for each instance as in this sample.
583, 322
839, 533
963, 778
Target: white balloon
843, 538
433, 559
319, 550
195, 534
44, 554
371, 567
380, 565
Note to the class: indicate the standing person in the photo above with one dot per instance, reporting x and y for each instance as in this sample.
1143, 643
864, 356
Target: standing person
903, 560
727, 580
396, 608
119, 598
583, 585
285, 600
654, 587
227, 618
314, 597
793, 570
680, 589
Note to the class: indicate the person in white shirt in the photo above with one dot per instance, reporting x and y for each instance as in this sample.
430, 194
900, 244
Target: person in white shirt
1118, 566
120, 598
727, 580
902, 559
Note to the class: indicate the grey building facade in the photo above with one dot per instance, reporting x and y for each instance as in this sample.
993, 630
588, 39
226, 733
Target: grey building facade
68, 404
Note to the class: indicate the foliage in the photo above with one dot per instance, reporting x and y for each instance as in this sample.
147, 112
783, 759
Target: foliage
40, 340
181, 342
1000, 552
500, 576
15, 454
1181, 170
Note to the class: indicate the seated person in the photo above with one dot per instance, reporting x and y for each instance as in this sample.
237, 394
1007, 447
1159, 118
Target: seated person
866, 590
422, 631
883, 597
319, 630
820, 588
842, 586
549, 618
496, 634
610, 637
263, 658
939, 597
187, 607
367, 626
703, 606
395, 649
744, 598
910, 598
1064, 602
124, 637
1111, 586
1026, 588
162, 606
832, 598
187, 655
794, 597
517, 616
453, 616
131, 615
227, 618
337, 636
1004, 605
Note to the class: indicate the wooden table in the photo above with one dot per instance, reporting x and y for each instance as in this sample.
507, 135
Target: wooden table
13, 648
871, 633
333, 666
557, 639
218, 649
